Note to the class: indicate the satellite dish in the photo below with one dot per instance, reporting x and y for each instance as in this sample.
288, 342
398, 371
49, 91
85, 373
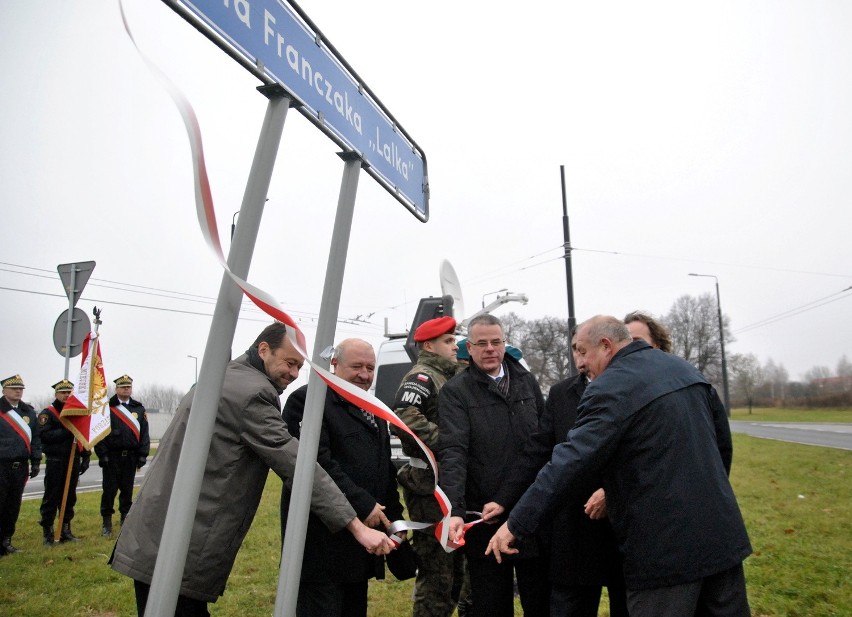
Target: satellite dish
450, 286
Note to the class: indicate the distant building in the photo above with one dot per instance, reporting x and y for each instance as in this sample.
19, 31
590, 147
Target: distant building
831, 385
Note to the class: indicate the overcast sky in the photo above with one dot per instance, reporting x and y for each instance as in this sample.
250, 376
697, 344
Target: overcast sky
714, 139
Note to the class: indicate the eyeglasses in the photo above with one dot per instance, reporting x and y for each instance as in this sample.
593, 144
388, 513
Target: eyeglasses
496, 343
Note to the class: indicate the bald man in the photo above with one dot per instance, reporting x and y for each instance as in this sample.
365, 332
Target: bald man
354, 449
647, 424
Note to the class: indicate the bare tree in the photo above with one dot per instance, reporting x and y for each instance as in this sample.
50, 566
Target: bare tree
546, 348
514, 329
694, 326
776, 380
816, 373
545, 344
747, 377
844, 367
40, 402
164, 399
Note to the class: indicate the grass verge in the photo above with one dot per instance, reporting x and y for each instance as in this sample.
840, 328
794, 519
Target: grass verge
796, 500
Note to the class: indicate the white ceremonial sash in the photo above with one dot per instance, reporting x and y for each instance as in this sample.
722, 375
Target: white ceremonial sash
128, 418
22, 427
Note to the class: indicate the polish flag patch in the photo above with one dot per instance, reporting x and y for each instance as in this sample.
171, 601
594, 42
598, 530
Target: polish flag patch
422, 377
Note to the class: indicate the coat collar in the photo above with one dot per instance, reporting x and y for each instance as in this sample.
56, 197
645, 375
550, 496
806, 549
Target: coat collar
445, 366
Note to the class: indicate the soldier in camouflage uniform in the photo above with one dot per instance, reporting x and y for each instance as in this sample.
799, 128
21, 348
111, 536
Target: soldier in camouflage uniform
440, 575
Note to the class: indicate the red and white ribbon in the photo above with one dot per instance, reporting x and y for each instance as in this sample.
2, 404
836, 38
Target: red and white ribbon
209, 230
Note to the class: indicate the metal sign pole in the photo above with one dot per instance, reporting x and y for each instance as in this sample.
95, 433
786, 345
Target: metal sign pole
71, 302
174, 543
297, 516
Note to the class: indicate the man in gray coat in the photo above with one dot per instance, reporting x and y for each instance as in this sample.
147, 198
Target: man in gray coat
249, 439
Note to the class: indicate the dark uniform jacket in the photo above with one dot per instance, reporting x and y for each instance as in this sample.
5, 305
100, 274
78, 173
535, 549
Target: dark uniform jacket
55, 438
121, 437
482, 434
12, 445
582, 551
357, 457
656, 431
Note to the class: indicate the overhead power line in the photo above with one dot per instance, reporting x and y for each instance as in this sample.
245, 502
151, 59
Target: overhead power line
173, 310
796, 311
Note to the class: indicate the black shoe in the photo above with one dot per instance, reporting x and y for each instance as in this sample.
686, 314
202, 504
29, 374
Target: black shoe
106, 530
66, 536
7, 546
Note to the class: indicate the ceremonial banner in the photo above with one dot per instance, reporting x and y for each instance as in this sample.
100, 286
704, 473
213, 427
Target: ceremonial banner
86, 412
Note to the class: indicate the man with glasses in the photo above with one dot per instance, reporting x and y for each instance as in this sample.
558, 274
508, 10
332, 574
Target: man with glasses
485, 416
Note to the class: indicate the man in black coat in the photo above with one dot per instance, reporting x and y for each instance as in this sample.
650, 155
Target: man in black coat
58, 443
650, 425
354, 449
122, 452
20, 456
583, 552
485, 416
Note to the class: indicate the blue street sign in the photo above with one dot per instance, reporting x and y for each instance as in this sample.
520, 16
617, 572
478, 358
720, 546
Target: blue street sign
271, 35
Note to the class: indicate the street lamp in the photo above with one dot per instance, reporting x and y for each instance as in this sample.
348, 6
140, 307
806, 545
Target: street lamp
492, 293
721, 343
196, 366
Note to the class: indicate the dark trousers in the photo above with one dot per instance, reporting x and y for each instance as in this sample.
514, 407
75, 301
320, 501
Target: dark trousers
718, 595
584, 601
440, 577
119, 474
56, 469
186, 607
492, 587
13, 478
332, 600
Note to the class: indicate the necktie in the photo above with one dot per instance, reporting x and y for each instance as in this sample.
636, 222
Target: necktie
503, 384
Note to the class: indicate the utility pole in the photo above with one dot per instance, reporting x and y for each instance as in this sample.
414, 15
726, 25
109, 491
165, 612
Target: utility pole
569, 275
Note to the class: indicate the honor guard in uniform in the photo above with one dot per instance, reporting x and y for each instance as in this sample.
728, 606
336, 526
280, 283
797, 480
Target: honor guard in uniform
122, 452
440, 575
58, 443
20, 456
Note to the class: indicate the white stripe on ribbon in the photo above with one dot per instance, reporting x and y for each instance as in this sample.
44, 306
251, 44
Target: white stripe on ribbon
22, 427
209, 230
128, 418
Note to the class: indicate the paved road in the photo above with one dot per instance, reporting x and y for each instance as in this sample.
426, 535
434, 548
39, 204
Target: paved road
808, 433
89, 481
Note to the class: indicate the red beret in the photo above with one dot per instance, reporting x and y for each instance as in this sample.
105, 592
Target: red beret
434, 328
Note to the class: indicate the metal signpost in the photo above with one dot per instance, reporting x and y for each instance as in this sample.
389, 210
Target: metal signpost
74, 277
174, 544
279, 44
